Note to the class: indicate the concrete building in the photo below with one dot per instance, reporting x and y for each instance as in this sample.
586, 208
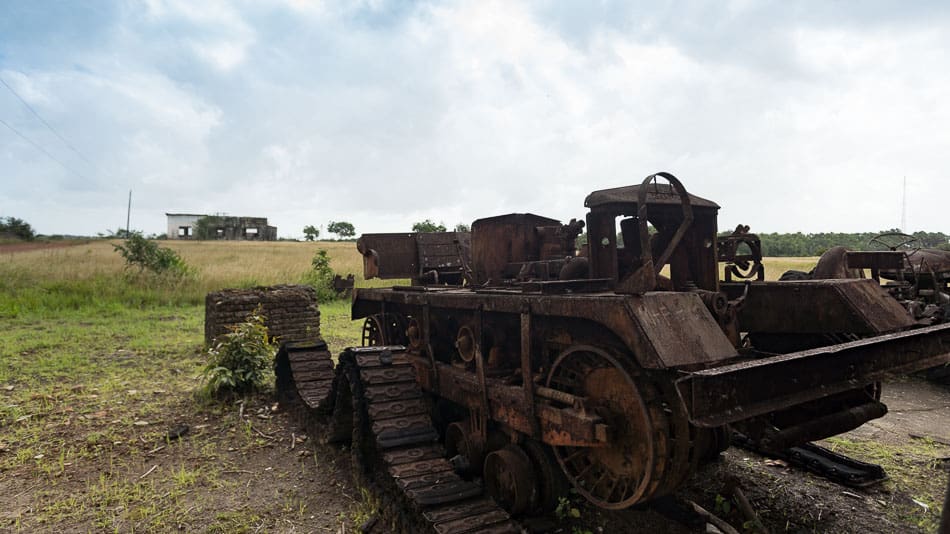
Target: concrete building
185, 226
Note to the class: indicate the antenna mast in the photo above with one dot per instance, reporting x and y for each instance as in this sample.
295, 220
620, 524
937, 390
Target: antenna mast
128, 215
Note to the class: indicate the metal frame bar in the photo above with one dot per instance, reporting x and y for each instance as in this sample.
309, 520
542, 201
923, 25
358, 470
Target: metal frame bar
731, 393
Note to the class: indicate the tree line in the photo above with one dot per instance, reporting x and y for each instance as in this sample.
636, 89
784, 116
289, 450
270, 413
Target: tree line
799, 244
773, 244
345, 230
342, 229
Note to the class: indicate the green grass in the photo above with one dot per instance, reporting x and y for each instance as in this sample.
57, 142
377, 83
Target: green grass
912, 469
90, 353
75, 394
95, 365
337, 329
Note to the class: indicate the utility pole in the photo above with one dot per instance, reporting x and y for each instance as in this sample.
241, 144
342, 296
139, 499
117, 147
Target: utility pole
128, 215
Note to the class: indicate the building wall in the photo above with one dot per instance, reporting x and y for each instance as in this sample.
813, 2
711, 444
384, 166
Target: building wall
182, 225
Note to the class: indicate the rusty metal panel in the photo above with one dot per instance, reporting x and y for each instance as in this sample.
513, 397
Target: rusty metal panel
680, 329
659, 332
739, 391
820, 307
875, 259
498, 241
439, 251
412, 255
389, 256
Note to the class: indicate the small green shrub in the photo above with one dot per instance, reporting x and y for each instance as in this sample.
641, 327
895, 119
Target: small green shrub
147, 255
320, 276
566, 509
240, 361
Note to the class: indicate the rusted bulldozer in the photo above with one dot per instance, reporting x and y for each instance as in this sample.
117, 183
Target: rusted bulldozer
516, 364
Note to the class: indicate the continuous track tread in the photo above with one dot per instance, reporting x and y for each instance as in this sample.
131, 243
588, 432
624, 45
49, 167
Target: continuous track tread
415, 475
311, 372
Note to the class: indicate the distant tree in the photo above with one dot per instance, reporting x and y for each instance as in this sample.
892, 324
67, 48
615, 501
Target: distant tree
17, 228
342, 229
311, 232
428, 226
462, 227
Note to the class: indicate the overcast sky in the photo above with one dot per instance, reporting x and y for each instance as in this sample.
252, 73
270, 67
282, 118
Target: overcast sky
793, 116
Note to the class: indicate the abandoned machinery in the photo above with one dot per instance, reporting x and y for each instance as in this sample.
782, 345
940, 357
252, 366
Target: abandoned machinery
515, 365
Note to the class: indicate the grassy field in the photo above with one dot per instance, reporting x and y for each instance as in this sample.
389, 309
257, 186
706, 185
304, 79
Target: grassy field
98, 363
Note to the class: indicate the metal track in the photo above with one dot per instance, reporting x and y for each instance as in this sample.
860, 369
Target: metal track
305, 373
821, 461
394, 441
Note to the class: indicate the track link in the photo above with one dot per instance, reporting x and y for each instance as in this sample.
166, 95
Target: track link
374, 391
823, 462
305, 372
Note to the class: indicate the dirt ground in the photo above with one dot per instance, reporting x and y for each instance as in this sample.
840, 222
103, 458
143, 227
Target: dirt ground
787, 499
269, 476
912, 442
266, 476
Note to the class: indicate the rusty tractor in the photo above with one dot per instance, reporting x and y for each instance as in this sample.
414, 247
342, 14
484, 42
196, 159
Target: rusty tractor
517, 364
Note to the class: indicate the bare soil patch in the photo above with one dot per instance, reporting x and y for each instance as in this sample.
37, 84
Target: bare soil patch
242, 468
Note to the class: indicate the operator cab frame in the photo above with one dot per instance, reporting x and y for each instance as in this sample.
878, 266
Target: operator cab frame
683, 236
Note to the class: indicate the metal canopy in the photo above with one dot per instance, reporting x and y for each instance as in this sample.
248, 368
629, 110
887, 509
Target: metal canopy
656, 194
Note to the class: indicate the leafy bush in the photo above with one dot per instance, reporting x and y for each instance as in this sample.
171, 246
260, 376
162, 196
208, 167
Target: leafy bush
320, 276
17, 228
147, 255
240, 361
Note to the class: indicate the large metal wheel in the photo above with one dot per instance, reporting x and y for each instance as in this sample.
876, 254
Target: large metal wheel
510, 480
384, 329
630, 468
551, 484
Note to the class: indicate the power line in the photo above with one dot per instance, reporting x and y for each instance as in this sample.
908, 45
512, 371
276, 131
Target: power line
41, 149
34, 112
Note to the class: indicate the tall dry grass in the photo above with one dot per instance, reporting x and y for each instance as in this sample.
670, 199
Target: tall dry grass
220, 264
93, 274
216, 263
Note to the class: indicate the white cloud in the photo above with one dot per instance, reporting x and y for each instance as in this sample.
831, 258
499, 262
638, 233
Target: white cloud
384, 115
223, 37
